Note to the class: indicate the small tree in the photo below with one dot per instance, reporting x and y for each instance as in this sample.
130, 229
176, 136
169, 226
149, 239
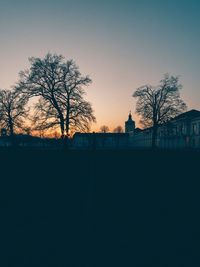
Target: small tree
104, 129
118, 129
13, 111
157, 105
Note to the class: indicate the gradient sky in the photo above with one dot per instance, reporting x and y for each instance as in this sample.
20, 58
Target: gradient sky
120, 44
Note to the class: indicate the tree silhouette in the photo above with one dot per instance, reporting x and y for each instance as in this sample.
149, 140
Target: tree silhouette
118, 129
13, 111
104, 129
59, 86
157, 105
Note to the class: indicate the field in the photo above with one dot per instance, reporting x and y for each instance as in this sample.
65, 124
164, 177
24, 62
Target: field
103, 208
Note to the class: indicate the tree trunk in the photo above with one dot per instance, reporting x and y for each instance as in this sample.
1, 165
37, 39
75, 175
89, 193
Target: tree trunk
12, 135
60, 116
67, 117
62, 128
63, 136
154, 137
67, 128
11, 129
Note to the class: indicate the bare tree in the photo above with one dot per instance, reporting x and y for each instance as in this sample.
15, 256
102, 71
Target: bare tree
13, 111
59, 86
157, 105
104, 129
118, 129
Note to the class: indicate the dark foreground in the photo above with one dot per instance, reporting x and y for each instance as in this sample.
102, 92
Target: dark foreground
99, 208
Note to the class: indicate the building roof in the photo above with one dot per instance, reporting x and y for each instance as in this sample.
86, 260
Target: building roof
100, 134
138, 130
193, 113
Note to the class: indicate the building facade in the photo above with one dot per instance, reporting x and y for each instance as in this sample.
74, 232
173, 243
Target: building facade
100, 141
181, 132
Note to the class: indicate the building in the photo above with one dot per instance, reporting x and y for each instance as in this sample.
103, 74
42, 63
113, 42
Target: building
183, 131
180, 132
100, 141
129, 124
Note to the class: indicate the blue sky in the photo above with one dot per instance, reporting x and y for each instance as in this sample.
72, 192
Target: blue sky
120, 44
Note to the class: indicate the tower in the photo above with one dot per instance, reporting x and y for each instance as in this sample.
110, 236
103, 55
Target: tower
129, 124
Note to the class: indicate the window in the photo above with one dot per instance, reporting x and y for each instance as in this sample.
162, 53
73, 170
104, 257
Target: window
183, 128
175, 130
180, 129
194, 128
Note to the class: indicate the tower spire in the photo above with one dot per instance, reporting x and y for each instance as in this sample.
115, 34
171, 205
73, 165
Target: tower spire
130, 115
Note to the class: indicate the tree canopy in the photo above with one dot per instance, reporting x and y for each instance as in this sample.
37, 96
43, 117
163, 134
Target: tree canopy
118, 129
60, 87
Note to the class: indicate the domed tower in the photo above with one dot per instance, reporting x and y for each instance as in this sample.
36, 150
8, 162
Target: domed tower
129, 124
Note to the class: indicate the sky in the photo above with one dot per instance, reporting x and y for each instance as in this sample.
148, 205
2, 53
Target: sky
122, 45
